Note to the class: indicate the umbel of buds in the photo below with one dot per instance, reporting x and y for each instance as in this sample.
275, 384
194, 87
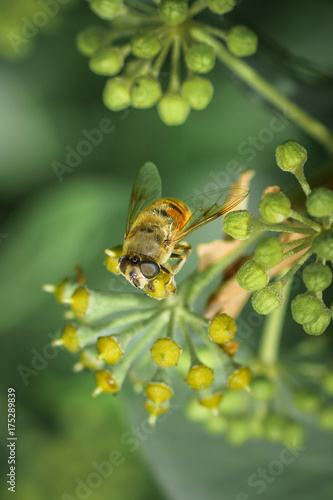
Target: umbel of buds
133, 47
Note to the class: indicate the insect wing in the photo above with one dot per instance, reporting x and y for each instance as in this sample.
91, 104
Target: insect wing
147, 188
209, 206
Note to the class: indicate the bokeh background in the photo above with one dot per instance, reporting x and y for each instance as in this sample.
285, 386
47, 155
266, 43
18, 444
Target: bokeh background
48, 97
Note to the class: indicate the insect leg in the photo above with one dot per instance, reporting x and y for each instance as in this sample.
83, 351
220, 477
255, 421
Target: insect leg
181, 251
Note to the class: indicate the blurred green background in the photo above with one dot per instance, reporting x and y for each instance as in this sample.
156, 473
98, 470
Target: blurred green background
47, 99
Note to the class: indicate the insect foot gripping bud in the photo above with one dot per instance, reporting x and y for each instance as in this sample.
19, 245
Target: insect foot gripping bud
238, 224
91, 39
240, 379
323, 245
290, 156
173, 12
158, 392
320, 325
263, 389
252, 276
165, 352
107, 61
317, 277
242, 41
222, 329
320, 202
109, 350
173, 109
161, 287
105, 382
306, 308
145, 92
267, 299
116, 94
268, 252
145, 44
198, 92
106, 9
221, 6
112, 259
200, 58
274, 207
200, 377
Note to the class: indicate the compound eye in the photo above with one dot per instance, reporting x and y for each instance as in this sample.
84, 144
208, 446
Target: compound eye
149, 269
123, 263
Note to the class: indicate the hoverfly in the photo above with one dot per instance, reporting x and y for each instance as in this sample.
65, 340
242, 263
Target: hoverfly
156, 227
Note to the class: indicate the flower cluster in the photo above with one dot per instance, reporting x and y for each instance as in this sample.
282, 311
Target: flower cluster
134, 45
302, 238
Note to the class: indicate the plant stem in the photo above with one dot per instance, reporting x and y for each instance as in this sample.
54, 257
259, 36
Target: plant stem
197, 7
305, 220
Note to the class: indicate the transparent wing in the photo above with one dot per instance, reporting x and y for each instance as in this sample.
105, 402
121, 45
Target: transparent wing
147, 188
209, 206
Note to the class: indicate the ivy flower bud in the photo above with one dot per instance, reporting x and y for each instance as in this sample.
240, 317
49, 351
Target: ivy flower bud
242, 41
252, 277
306, 308
200, 58
320, 202
116, 94
263, 389
165, 352
112, 259
106, 9
325, 418
327, 383
320, 325
290, 156
238, 224
145, 92
173, 12
212, 402
274, 427
240, 379
307, 401
91, 39
233, 402
173, 109
317, 277
221, 6
161, 287
109, 350
237, 431
80, 300
106, 382
198, 92
107, 61
294, 434
70, 338
222, 329
145, 44
275, 207
158, 392
267, 299
268, 252
200, 377
323, 245
155, 410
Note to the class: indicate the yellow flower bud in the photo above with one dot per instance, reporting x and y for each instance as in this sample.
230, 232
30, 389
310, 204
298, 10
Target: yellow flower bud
240, 379
158, 392
109, 350
106, 382
222, 329
200, 377
165, 352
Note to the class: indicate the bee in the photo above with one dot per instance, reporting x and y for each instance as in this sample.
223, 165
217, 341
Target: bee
156, 227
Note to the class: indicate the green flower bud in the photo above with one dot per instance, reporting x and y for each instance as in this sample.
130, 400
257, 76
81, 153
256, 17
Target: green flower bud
91, 39
106, 9
200, 58
306, 308
107, 61
274, 427
233, 402
323, 245
290, 156
221, 6
238, 224
173, 12
173, 109
317, 277
263, 389
237, 431
268, 252
327, 383
320, 325
320, 202
242, 41
145, 92
145, 44
267, 299
326, 418
198, 92
294, 434
252, 277
274, 207
116, 95
307, 401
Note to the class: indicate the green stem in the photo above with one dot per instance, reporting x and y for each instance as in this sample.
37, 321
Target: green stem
161, 58
305, 220
175, 60
289, 274
190, 346
295, 250
197, 7
283, 228
298, 242
312, 126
